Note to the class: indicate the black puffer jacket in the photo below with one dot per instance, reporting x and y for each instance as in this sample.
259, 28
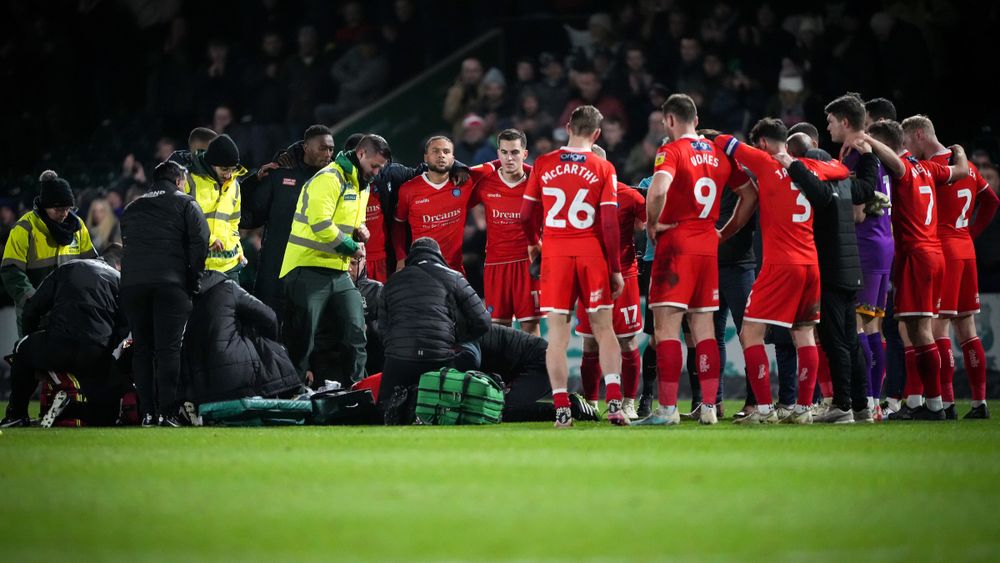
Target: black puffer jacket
221, 357
79, 302
427, 308
165, 237
833, 224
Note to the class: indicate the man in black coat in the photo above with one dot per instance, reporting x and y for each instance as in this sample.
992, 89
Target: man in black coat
73, 323
427, 310
166, 242
229, 334
269, 201
840, 273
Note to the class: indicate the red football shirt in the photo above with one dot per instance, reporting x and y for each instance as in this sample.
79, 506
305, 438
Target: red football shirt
956, 201
438, 211
572, 184
375, 247
631, 207
700, 172
505, 240
914, 209
786, 217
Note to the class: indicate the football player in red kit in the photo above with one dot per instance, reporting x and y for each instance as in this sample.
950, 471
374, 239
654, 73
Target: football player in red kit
582, 262
787, 291
431, 205
627, 319
918, 269
957, 201
510, 291
682, 207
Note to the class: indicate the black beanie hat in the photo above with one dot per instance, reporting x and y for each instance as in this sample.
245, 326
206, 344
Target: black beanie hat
222, 152
55, 192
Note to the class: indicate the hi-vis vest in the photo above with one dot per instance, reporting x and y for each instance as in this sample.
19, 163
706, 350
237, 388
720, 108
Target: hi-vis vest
331, 206
221, 207
32, 250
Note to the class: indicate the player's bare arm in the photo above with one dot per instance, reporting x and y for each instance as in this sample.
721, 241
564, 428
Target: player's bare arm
960, 163
656, 198
745, 207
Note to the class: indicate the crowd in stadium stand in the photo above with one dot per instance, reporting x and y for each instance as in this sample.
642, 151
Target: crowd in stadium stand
265, 92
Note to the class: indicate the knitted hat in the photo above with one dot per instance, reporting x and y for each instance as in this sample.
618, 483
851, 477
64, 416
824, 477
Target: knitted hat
222, 152
55, 192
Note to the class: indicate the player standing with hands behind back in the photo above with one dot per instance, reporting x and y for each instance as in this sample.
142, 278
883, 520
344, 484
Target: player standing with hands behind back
577, 190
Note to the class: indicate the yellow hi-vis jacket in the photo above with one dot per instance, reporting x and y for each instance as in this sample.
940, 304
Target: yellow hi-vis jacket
330, 208
221, 206
31, 254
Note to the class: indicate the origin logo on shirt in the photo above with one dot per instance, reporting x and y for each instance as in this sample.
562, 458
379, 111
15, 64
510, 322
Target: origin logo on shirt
573, 157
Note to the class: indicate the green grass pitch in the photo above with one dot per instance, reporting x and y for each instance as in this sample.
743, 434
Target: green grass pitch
513, 492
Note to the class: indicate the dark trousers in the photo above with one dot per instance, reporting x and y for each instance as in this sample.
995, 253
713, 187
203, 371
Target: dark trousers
266, 286
397, 373
895, 358
523, 401
40, 352
157, 315
838, 332
324, 328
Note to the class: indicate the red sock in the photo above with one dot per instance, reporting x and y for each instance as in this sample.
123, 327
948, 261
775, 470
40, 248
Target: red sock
560, 399
669, 358
590, 375
947, 369
631, 370
808, 370
912, 385
929, 366
759, 373
823, 375
707, 362
975, 367
613, 391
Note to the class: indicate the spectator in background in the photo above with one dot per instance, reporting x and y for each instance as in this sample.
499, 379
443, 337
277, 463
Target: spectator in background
526, 79
222, 119
473, 147
362, 73
164, 148
722, 107
591, 93
400, 35
530, 117
640, 159
219, 82
552, 89
305, 75
689, 75
770, 44
540, 146
354, 30
103, 225
634, 86
266, 99
613, 141
463, 96
133, 173
793, 104
494, 104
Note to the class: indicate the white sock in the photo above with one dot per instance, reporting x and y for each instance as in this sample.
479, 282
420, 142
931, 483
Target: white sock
871, 403
893, 404
914, 401
764, 409
978, 403
799, 409
612, 378
935, 403
947, 404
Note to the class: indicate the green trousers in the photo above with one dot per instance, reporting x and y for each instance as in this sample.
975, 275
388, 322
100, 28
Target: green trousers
324, 328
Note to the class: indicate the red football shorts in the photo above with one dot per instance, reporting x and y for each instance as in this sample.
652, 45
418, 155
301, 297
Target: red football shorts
959, 288
785, 295
626, 313
917, 278
376, 270
511, 292
566, 279
685, 281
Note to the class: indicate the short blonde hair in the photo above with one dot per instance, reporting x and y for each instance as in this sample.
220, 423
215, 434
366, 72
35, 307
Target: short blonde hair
921, 122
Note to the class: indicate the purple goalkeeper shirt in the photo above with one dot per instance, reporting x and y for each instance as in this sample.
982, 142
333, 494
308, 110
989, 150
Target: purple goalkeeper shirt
875, 245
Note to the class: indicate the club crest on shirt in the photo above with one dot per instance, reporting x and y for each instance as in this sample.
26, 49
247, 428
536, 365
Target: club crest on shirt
573, 157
